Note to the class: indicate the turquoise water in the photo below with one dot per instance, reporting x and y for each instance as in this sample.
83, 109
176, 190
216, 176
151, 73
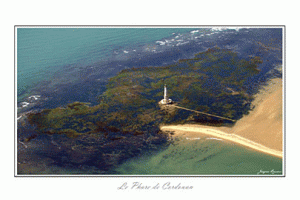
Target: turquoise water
204, 156
48, 58
43, 51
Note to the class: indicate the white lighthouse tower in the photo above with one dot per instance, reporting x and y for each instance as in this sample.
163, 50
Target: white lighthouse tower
166, 100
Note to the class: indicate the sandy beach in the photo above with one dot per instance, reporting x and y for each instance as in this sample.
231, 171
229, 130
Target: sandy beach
260, 130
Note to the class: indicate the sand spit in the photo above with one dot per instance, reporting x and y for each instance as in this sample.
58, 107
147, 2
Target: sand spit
196, 130
261, 129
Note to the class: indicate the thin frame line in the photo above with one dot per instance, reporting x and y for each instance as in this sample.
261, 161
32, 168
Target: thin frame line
150, 176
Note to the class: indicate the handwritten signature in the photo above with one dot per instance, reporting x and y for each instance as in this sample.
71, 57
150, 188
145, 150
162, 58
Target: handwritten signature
268, 172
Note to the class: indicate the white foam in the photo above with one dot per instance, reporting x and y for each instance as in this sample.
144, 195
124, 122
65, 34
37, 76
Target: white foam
161, 42
194, 31
193, 138
179, 44
213, 139
222, 28
35, 97
237, 29
24, 104
125, 51
218, 29
19, 117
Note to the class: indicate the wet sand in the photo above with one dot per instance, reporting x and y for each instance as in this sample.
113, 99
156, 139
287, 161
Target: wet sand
261, 129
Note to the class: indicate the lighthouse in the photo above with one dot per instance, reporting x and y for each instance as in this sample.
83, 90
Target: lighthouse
165, 93
166, 100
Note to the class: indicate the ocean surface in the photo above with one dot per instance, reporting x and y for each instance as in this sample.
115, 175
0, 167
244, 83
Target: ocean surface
43, 53
57, 66
203, 156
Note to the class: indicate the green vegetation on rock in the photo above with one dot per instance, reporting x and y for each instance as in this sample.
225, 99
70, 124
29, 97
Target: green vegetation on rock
213, 81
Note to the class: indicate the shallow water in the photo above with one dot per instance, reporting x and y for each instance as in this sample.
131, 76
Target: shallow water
204, 156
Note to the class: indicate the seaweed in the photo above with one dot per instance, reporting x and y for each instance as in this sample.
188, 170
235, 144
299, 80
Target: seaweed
128, 116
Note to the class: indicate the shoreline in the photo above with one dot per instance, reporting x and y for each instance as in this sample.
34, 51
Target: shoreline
195, 130
261, 129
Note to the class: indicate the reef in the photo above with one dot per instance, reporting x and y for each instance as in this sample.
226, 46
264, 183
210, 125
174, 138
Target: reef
126, 121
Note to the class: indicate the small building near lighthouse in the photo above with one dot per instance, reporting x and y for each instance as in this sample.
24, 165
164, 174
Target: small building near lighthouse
166, 99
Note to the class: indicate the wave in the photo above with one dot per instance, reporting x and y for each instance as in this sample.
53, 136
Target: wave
155, 53
213, 139
182, 43
24, 104
192, 32
161, 42
27, 103
35, 97
192, 138
227, 28
173, 41
158, 52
